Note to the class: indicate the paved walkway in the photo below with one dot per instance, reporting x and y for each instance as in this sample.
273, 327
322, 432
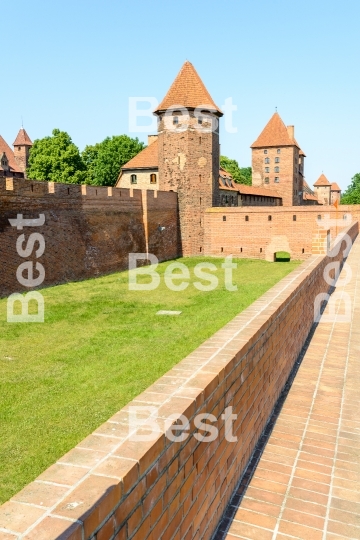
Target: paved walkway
307, 482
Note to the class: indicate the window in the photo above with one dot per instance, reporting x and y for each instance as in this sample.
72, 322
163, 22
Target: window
19, 148
133, 179
267, 180
199, 140
226, 199
278, 150
200, 120
175, 120
276, 169
246, 218
277, 179
267, 160
152, 178
265, 151
224, 218
277, 160
294, 218
199, 177
267, 169
319, 216
269, 218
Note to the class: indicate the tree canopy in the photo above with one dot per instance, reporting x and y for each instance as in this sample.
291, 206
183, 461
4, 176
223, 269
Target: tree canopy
104, 160
241, 175
352, 194
58, 159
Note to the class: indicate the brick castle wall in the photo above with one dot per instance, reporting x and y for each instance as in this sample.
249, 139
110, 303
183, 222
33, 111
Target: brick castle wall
88, 231
260, 232
147, 490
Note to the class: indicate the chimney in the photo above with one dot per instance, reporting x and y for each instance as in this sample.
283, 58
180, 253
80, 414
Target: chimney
291, 132
151, 139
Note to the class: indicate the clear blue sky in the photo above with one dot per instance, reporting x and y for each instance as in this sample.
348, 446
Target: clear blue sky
74, 64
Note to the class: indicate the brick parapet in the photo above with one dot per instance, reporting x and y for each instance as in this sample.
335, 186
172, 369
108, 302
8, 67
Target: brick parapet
89, 231
110, 487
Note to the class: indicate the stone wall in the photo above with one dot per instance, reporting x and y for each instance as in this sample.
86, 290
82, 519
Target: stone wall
111, 487
88, 231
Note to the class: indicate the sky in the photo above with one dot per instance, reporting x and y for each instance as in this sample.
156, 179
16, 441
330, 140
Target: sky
73, 65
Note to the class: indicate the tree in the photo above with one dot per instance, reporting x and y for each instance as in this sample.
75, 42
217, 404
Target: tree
105, 159
241, 175
56, 159
352, 194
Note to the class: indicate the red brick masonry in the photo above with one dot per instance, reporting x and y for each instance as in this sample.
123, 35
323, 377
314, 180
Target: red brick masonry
306, 484
109, 487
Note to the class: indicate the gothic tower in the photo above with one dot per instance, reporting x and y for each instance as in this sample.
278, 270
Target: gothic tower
188, 141
22, 147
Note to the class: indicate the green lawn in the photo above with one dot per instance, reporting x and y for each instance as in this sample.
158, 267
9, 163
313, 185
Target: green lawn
100, 346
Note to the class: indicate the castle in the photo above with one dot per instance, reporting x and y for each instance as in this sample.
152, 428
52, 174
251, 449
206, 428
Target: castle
13, 163
186, 150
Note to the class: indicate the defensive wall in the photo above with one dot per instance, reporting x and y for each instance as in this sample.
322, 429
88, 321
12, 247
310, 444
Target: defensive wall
113, 488
261, 232
88, 231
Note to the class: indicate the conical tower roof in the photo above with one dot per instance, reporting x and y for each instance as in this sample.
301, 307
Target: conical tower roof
322, 181
189, 91
274, 133
22, 139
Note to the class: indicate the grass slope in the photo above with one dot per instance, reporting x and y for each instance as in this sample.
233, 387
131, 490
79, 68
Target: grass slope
99, 347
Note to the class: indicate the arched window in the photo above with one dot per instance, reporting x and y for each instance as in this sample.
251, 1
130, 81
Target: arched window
175, 120
267, 160
153, 178
133, 179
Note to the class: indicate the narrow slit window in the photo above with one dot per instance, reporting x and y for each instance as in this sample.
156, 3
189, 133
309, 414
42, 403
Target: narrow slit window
133, 179
153, 178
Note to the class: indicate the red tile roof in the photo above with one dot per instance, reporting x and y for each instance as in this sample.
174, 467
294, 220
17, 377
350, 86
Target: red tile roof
146, 159
274, 133
4, 147
310, 197
189, 91
260, 191
322, 181
335, 187
22, 139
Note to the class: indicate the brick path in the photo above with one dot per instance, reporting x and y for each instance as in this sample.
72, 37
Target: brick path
307, 482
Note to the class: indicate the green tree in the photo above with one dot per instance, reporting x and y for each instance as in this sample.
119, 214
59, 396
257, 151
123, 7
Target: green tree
241, 175
56, 159
105, 159
352, 194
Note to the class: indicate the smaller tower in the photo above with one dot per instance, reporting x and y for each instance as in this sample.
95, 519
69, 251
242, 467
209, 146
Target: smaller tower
22, 145
278, 161
335, 191
322, 189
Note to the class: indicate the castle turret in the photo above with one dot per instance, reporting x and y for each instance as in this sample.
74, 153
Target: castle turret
188, 142
22, 145
322, 189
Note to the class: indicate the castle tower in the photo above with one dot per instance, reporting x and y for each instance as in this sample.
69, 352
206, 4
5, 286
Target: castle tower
278, 161
335, 193
188, 146
322, 189
22, 145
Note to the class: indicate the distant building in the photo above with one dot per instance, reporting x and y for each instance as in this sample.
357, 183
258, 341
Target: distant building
13, 163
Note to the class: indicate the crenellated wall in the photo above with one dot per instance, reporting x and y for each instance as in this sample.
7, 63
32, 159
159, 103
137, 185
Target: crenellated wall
88, 230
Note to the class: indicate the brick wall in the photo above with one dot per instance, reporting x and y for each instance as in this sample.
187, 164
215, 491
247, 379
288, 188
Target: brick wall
112, 488
88, 231
268, 230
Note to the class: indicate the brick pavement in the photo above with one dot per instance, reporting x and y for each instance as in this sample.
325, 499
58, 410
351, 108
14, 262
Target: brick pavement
306, 484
